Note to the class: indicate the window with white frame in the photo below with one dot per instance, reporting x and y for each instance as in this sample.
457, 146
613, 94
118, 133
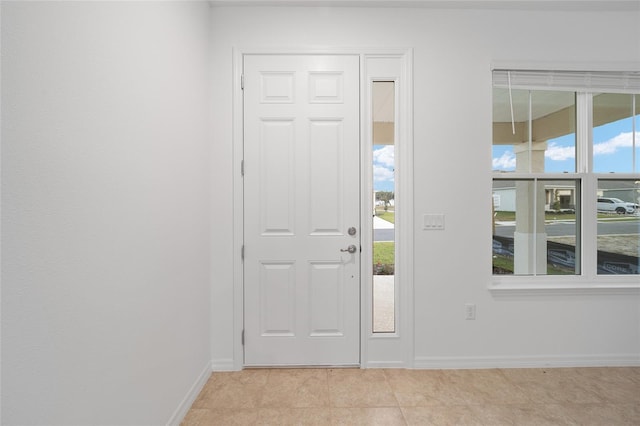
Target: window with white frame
566, 181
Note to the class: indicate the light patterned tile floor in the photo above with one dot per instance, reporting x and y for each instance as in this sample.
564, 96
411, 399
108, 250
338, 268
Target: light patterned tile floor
563, 396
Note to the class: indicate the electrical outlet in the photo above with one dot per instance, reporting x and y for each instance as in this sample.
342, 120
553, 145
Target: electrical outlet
470, 311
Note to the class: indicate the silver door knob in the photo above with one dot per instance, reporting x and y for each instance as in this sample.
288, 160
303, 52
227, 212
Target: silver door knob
351, 249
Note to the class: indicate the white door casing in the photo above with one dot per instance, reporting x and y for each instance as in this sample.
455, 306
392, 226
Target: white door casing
301, 196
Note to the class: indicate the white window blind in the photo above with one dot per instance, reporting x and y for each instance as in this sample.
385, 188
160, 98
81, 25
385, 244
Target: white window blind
575, 81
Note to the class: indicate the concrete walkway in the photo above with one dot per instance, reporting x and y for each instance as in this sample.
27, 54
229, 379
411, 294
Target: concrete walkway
381, 223
383, 303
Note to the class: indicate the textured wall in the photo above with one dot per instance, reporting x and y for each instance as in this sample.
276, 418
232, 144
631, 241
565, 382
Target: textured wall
105, 210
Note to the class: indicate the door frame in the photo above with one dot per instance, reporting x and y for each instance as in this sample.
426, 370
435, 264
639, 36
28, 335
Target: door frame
376, 350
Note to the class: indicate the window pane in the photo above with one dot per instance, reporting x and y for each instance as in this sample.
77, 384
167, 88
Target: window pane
618, 226
636, 152
535, 227
562, 222
614, 142
504, 139
550, 145
384, 258
504, 220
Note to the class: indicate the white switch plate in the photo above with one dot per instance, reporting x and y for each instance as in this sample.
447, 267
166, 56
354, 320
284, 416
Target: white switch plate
434, 221
470, 311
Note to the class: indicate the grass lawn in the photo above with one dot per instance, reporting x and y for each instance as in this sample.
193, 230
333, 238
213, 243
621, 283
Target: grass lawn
389, 216
511, 216
384, 252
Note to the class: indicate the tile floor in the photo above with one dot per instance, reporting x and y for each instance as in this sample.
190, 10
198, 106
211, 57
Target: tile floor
562, 396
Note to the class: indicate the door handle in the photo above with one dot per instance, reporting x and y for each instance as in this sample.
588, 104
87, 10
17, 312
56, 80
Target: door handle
351, 249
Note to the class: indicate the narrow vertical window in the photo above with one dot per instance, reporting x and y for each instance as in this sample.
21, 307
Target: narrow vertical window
384, 207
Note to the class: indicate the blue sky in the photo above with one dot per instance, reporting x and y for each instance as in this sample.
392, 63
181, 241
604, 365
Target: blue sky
612, 150
612, 153
383, 168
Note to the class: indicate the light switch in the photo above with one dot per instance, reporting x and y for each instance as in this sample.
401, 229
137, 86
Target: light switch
434, 221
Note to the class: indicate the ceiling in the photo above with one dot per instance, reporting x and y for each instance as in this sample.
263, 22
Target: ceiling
543, 103
383, 93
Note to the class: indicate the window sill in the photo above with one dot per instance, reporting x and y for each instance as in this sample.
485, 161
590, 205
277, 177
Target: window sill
574, 285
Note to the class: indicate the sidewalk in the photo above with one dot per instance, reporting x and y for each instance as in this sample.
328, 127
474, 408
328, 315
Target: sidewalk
381, 223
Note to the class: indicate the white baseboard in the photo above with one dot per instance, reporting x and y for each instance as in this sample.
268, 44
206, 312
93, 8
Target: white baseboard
226, 364
191, 396
603, 360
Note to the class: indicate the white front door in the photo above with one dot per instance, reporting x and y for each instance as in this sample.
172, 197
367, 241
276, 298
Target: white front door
301, 197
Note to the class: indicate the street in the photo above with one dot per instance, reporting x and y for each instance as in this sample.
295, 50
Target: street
383, 230
561, 228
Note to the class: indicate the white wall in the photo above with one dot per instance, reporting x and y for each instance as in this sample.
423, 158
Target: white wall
109, 183
453, 52
105, 210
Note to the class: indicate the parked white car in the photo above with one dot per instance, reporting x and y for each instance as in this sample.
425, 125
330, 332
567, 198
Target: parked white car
616, 205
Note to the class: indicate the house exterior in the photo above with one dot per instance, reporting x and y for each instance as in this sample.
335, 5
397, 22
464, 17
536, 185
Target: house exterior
504, 195
119, 177
624, 190
556, 198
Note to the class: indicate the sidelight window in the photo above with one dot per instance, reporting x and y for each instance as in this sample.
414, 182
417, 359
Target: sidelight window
384, 208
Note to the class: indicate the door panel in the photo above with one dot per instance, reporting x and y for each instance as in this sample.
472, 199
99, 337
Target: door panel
302, 193
326, 291
277, 178
325, 180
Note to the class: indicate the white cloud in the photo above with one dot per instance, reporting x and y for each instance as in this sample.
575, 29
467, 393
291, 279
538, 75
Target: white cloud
382, 174
623, 140
505, 162
559, 153
384, 156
